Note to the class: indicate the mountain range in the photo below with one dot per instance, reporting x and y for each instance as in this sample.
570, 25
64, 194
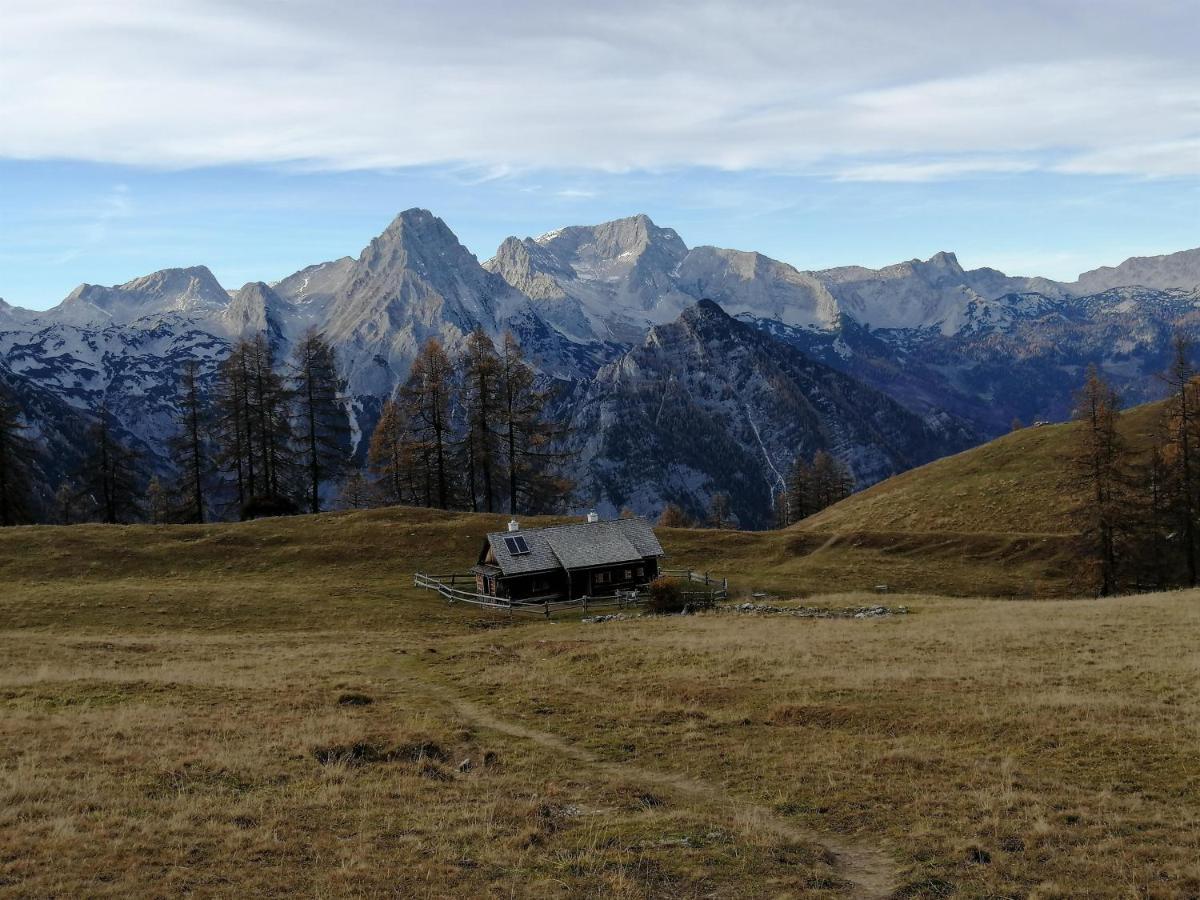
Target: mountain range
680, 371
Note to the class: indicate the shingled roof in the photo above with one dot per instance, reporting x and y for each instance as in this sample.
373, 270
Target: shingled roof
579, 546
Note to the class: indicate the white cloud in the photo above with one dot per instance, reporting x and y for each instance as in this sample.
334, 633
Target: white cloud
934, 170
921, 91
1162, 159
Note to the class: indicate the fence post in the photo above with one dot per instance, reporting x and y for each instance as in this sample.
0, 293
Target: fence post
546, 607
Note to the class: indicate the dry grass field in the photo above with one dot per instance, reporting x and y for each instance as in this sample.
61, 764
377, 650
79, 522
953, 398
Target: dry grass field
271, 709
1016, 484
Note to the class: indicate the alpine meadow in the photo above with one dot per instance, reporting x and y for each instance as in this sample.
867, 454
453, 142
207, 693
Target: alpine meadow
396, 537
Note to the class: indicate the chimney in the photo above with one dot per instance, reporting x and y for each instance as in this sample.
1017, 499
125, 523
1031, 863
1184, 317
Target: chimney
593, 516
513, 526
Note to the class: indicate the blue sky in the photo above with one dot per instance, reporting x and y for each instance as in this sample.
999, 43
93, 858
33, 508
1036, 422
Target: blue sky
1039, 138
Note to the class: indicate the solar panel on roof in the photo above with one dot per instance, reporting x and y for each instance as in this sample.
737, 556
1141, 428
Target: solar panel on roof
516, 545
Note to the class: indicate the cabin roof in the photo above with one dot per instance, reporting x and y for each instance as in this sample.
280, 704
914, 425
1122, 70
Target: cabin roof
578, 546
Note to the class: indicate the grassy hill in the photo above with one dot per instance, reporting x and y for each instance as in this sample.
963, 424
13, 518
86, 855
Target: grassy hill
271, 709
1013, 485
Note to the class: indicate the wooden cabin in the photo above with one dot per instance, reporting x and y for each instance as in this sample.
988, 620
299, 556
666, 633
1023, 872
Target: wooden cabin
587, 559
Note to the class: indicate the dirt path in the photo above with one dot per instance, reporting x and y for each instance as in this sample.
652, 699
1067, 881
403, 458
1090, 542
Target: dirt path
869, 869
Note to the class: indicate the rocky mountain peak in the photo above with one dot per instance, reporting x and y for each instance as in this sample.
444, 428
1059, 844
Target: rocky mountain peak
945, 260
191, 291
705, 310
1172, 270
416, 239
255, 307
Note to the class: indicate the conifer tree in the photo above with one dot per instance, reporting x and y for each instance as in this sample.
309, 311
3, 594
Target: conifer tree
1154, 520
17, 457
1182, 424
271, 415
673, 516
158, 504
254, 429
480, 385
65, 500
355, 492
389, 456
190, 445
322, 422
800, 500
527, 438
720, 513
110, 475
232, 425
1100, 464
426, 397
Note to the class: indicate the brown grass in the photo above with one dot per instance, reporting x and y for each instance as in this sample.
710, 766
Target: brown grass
184, 711
1014, 485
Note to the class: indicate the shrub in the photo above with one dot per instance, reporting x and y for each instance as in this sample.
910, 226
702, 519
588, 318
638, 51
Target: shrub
665, 596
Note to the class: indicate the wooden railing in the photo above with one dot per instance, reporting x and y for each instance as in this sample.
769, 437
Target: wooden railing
715, 589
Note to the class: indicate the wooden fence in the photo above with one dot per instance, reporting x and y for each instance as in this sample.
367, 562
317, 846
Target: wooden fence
446, 585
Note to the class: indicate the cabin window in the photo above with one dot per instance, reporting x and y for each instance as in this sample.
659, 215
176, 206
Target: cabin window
541, 584
641, 571
628, 574
603, 577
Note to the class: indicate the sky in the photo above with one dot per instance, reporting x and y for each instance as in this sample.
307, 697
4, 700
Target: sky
258, 137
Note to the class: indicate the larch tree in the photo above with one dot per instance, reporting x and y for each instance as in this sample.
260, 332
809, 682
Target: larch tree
800, 501
66, 498
830, 479
158, 502
389, 456
110, 475
235, 447
1183, 420
190, 445
254, 429
271, 413
17, 458
720, 511
355, 492
426, 397
1100, 464
480, 387
322, 423
673, 516
1154, 521
527, 438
